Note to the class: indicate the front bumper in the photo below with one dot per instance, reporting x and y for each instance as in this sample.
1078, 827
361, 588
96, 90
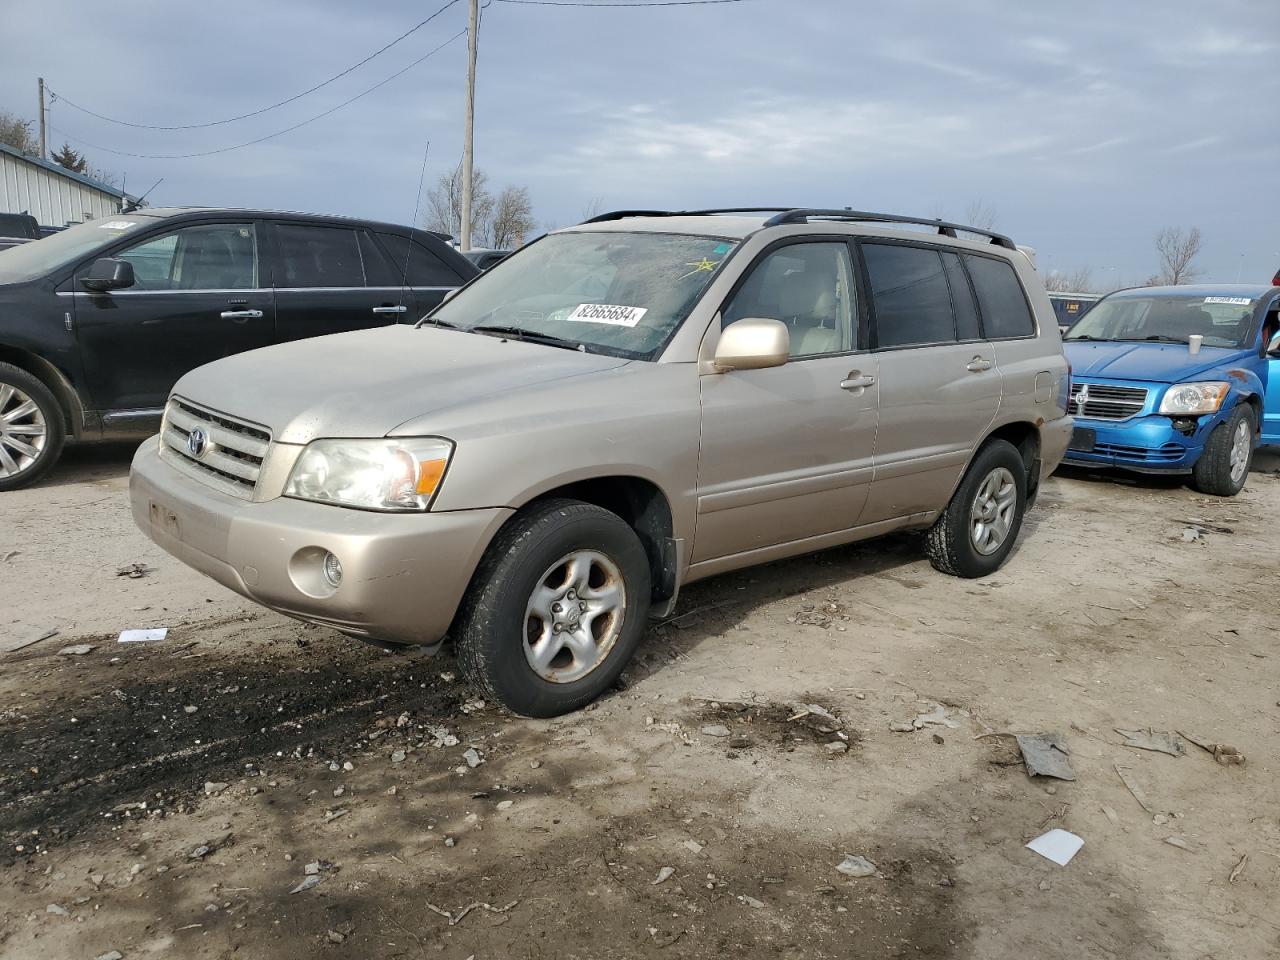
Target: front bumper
403, 573
1143, 444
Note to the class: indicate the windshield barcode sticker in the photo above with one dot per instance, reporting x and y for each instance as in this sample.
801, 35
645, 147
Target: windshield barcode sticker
607, 313
117, 224
1236, 301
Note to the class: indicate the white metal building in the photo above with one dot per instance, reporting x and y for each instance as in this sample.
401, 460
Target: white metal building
52, 194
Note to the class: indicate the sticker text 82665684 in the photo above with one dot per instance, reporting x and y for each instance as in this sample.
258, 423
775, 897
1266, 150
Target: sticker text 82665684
612, 314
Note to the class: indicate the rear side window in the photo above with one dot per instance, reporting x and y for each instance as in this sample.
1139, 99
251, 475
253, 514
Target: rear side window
311, 256
378, 268
967, 326
911, 296
425, 268
1005, 312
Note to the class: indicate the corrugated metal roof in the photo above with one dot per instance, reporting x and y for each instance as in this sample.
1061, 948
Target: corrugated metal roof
64, 172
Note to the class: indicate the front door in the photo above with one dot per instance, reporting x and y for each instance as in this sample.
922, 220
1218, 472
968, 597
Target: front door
939, 384
196, 298
786, 452
1271, 408
319, 279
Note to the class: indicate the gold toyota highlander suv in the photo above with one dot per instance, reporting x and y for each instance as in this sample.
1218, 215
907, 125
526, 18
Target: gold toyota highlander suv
617, 409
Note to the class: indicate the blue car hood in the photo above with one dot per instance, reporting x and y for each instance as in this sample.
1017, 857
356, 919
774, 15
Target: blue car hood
1155, 362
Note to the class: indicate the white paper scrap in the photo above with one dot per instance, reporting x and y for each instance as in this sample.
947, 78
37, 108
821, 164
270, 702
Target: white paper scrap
1057, 845
144, 636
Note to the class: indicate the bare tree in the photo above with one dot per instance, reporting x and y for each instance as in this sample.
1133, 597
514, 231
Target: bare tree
444, 205
512, 218
1178, 249
980, 214
1079, 280
16, 132
594, 207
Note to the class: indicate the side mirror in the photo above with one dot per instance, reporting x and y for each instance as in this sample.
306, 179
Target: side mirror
1273, 348
109, 273
752, 344
449, 295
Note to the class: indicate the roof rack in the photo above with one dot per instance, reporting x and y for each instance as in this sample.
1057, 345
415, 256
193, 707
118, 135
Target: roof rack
945, 228
627, 214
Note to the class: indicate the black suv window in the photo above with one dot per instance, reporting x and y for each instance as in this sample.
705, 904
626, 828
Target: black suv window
1004, 306
911, 295
425, 268
379, 271
315, 256
967, 326
209, 256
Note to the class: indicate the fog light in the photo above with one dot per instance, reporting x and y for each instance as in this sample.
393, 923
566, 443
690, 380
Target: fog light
332, 570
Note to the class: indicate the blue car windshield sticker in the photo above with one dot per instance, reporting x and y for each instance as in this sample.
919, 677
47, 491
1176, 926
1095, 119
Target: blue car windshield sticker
1236, 301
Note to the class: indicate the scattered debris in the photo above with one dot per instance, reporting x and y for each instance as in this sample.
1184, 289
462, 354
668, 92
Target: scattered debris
1223, 753
902, 726
1179, 842
506, 804
212, 788
1238, 869
57, 910
1057, 845
76, 650
836, 747
473, 706
1190, 535
1046, 755
666, 873
133, 571
693, 846
852, 866
335, 936
1125, 777
935, 718
716, 730
473, 758
110, 955
336, 814
143, 636
1160, 741
456, 918
751, 902
14, 645
397, 756
307, 883
1204, 526
440, 737
209, 846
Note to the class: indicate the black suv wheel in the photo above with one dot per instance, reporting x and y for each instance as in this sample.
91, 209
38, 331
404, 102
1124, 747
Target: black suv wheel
31, 428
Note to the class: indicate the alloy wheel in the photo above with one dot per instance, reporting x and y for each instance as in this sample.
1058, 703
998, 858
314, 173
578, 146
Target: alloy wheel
1241, 448
23, 432
574, 617
992, 513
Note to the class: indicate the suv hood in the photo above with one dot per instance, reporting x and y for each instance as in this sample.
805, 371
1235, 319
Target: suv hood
1154, 362
367, 383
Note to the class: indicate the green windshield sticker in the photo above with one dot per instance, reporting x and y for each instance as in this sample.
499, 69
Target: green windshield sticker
722, 249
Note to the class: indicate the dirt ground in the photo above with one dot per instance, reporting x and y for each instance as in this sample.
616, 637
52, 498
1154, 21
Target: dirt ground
166, 799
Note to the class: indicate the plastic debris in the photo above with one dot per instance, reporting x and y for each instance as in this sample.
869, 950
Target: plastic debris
143, 636
307, 883
133, 571
852, 866
473, 758
1160, 741
1057, 845
716, 730
664, 875
1046, 755
76, 650
1222, 752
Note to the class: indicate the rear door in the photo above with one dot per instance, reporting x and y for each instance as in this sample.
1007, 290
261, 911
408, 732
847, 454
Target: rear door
1271, 406
318, 275
197, 296
939, 384
428, 275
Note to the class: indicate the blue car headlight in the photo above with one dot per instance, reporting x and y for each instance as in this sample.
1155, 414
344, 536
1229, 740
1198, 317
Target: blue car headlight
1194, 399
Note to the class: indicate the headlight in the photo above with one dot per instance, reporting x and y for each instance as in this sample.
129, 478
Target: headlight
1194, 398
371, 474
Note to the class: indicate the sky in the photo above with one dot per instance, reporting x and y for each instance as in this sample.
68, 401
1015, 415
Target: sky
1083, 127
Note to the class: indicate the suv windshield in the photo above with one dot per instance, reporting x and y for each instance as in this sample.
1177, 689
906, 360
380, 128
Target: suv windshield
623, 294
40, 257
1222, 321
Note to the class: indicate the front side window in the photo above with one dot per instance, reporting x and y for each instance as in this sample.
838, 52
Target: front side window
420, 266
623, 294
1005, 313
210, 256
312, 256
807, 286
1222, 321
911, 296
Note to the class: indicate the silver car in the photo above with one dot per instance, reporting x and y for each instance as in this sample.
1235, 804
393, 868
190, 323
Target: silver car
618, 409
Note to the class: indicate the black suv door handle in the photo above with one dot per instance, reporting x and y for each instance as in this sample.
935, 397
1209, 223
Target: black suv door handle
240, 316
397, 309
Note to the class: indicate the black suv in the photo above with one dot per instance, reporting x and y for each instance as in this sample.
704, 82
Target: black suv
99, 321
16, 228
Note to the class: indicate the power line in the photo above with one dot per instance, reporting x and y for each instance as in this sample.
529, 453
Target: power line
255, 113
270, 136
621, 3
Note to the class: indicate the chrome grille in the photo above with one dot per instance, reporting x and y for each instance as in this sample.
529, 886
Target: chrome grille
230, 458
1106, 402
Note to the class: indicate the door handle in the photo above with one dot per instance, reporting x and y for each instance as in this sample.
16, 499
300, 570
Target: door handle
398, 309
241, 314
856, 381
978, 365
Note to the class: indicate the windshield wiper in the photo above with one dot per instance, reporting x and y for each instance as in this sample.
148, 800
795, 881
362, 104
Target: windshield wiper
520, 333
1085, 336
1162, 338
437, 322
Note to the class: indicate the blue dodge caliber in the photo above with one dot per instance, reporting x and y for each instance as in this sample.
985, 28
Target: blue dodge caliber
1177, 380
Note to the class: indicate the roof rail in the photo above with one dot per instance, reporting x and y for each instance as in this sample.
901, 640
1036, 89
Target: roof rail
627, 214
945, 228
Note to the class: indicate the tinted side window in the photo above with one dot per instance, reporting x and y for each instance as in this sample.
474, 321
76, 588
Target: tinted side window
213, 256
317, 257
379, 271
425, 268
1004, 306
967, 326
911, 296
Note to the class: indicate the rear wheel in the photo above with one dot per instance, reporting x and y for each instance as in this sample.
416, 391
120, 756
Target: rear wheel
31, 428
555, 610
975, 533
1224, 465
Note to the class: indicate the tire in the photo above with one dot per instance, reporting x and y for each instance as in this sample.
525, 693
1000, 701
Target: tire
1224, 465
995, 483
527, 600
30, 420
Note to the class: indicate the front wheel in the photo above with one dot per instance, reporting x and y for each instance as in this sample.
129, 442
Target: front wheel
555, 610
1224, 465
31, 428
975, 533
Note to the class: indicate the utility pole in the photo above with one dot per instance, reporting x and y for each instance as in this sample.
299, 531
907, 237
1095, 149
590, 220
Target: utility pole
468, 140
44, 145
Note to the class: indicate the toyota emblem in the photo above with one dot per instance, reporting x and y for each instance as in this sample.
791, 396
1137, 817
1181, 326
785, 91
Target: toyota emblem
197, 442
